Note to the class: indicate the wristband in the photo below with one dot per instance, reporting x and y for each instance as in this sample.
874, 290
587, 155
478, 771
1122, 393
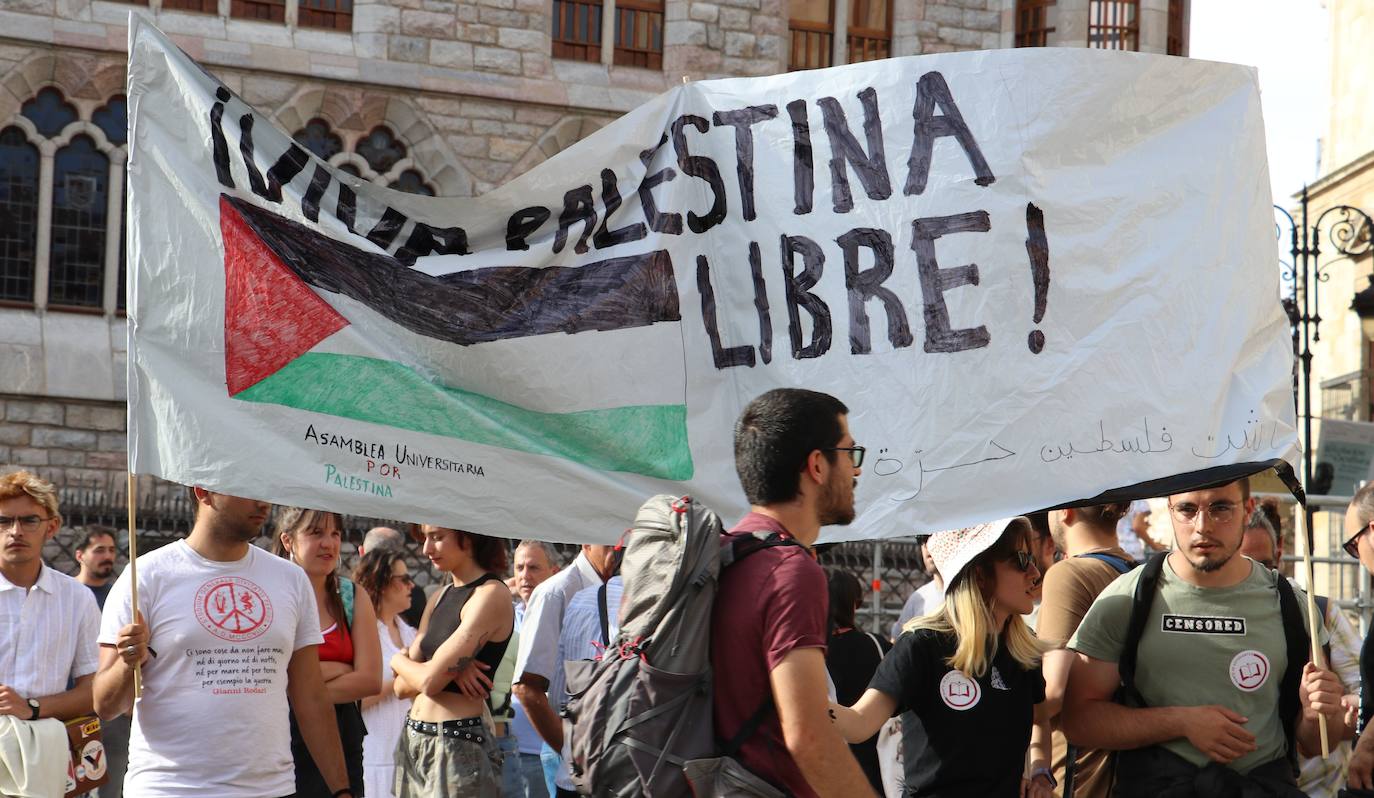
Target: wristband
1049, 776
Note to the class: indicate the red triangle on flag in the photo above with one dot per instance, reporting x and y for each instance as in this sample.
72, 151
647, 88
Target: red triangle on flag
271, 316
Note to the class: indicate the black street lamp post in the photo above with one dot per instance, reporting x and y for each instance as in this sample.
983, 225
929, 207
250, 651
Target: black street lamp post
1348, 230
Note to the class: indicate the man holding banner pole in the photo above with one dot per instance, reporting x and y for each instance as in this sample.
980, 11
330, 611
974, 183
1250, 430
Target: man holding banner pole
1209, 654
226, 636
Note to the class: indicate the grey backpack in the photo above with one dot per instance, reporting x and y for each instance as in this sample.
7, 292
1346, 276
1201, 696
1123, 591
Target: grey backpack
638, 716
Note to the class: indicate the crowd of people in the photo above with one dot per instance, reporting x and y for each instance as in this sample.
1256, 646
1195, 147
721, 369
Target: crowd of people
1048, 655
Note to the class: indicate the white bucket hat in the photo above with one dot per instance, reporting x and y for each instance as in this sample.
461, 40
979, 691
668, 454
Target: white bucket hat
953, 550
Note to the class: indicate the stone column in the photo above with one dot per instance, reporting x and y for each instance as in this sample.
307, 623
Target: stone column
114, 216
43, 246
608, 32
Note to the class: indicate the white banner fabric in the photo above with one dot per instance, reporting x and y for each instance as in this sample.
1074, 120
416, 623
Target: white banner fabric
1032, 275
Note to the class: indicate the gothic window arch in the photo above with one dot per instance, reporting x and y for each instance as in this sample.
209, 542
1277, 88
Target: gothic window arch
61, 192
379, 157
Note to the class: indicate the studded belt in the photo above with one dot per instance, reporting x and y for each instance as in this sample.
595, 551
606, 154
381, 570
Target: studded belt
462, 729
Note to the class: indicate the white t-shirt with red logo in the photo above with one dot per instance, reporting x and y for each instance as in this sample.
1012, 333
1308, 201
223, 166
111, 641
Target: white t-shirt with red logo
213, 717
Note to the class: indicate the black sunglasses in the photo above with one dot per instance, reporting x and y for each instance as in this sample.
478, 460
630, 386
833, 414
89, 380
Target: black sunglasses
1021, 559
1352, 546
856, 453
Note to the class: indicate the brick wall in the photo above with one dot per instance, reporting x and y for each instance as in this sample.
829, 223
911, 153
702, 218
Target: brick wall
77, 444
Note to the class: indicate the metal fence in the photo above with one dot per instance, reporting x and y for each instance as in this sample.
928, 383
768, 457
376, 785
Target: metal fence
164, 515
891, 569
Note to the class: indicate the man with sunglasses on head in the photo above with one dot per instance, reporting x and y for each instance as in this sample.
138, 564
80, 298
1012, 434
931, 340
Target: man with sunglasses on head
1200, 680
798, 465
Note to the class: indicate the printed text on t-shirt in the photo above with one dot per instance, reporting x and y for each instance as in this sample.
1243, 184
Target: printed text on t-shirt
1202, 625
236, 670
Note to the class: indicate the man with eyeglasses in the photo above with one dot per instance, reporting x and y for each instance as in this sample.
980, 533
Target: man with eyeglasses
48, 621
1221, 695
798, 465
1318, 777
1359, 543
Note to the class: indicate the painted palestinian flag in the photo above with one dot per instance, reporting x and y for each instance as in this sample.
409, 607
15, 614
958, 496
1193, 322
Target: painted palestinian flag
420, 341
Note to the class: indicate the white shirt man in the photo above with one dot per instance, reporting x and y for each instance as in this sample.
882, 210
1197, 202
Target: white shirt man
228, 641
48, 620
538, 682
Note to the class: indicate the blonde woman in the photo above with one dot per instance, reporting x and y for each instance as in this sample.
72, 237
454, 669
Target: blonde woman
966, 678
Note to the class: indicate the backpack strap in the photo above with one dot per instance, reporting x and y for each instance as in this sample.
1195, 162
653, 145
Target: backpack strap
1121, 564
1135, 628
346, 596
736, 548
1298, 644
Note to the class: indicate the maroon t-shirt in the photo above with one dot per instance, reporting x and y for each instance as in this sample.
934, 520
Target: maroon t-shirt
767, 604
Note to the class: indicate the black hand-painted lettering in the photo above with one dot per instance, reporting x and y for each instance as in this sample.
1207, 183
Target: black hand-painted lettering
666, 223
799, 295
425, 240
935, 281
701, 167
742, 120
310, 201
932, 91
246, 150
384, 232
803, 168
523, 224
1038, 248
868, 284
870, 167
220, 146
610, 199
290, 164
577, 207
723, 358
346, 207
761, 303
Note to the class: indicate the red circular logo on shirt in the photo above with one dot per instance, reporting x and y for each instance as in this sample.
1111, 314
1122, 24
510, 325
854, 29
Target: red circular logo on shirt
959, 692
1249, 670
233, 608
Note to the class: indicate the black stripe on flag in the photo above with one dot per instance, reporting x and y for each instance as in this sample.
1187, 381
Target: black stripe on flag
480, 305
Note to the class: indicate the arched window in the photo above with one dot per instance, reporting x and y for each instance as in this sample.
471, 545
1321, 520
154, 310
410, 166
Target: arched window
319, 139
18, 214
412, 182
1114, 24
81, 176
113, 120
1033, 23
381, 149
74, 158
49, 112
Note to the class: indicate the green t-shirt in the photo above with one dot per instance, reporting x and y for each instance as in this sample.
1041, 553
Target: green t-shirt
1200, 646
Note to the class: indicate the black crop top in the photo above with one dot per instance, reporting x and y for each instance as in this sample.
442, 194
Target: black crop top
444, 620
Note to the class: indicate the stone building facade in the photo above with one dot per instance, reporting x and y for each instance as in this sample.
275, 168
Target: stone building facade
447, 97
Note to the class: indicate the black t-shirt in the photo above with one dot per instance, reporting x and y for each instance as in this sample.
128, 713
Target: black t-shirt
960, 736
852, 657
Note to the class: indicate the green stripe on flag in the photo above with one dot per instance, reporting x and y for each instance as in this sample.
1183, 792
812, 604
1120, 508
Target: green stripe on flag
643, 439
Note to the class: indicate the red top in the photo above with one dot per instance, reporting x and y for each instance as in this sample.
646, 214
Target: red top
337, 645
771, 602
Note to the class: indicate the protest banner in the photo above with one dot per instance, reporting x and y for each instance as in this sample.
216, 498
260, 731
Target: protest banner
1029, 285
